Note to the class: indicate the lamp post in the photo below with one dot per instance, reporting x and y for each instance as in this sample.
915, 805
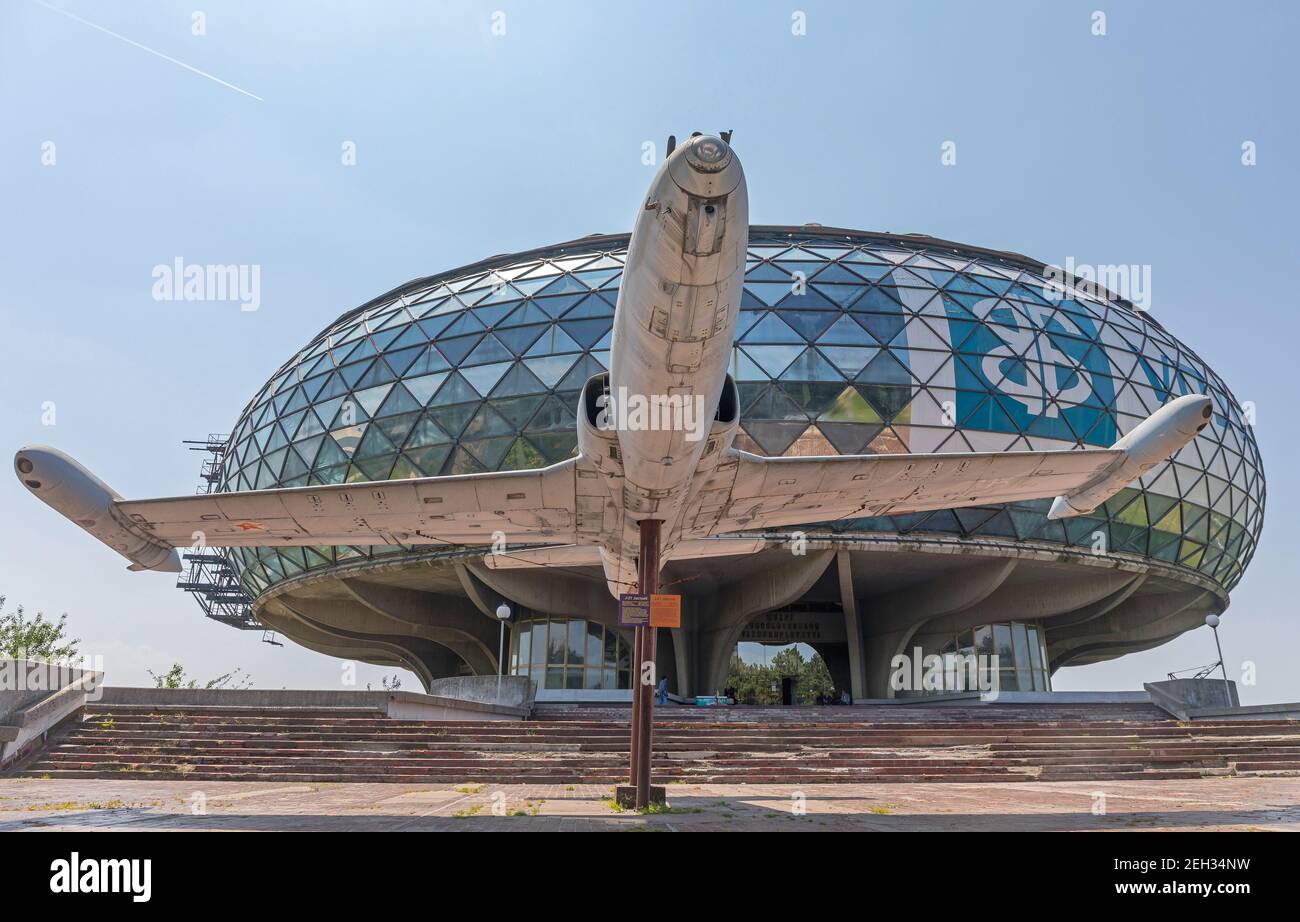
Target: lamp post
1213, 621
503, 615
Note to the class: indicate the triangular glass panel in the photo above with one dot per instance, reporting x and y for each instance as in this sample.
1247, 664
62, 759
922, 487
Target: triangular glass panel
455, 390
579, 374
811, 366
425, 386
586, 332
485, 377
550, 369
522, 456
809, 324
370, 399
518, 339
774, 437
519, 380
379, 373
457, 348
428, 460
773, 359
453, 418
396, 428
462, 462
426, 432
553, 342
518, 410
430, 360
850, 406
488, 350
399, 401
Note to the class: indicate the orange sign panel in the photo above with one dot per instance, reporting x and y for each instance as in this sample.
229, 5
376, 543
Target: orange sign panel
665, 611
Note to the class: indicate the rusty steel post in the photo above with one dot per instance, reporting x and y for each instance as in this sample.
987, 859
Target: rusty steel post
645, 724
636, 706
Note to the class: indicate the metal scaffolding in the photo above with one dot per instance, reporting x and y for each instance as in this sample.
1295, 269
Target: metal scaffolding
209, 577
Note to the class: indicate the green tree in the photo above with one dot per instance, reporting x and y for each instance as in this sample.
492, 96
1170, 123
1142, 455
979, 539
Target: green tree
175, 677
758, 683
37, 639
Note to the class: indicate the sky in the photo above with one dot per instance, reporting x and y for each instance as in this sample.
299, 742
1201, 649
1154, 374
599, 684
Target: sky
133, 133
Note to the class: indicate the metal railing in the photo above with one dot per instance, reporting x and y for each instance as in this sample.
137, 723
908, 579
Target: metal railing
208, 576
1196, 672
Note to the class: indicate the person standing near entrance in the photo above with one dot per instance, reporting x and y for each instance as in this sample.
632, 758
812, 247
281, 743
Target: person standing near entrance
661, 691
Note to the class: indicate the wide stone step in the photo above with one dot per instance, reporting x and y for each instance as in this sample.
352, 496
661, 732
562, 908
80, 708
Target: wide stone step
808, 745
568, 777
533, 727
163, 736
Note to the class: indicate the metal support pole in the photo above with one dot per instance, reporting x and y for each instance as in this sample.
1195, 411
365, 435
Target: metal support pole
634, 761
1227, 686
645, 749
501, 659
645, 725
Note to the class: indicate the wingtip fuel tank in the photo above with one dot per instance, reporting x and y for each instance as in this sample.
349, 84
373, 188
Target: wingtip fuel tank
1151, 441
64, 485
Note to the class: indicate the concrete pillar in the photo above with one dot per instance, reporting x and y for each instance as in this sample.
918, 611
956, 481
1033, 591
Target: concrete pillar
725, 615
881, 649
852, 631
681, 661
896, 616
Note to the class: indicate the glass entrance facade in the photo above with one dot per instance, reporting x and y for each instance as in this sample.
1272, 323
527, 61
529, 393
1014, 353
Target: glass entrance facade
1019, 646
570, 653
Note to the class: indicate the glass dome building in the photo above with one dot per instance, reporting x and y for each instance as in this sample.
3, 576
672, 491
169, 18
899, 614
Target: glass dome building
848, 342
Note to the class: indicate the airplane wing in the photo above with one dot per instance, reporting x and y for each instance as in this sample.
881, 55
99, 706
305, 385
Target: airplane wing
528, 506
534, 505
774, 492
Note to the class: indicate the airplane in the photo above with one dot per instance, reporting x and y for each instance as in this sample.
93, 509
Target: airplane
674, 326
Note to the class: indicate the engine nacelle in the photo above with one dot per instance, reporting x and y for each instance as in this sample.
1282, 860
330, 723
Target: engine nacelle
75, 493
726, 420
598, 436
597, 439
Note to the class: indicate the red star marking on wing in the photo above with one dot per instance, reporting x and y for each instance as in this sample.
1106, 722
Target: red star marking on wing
251, 526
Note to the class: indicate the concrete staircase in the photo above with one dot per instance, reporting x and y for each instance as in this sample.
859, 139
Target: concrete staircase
575, 744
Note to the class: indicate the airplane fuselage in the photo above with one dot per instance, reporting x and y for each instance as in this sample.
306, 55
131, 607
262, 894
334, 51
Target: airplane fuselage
673, 330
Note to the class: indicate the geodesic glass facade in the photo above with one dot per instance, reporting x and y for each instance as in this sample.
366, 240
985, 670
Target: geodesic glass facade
847, 342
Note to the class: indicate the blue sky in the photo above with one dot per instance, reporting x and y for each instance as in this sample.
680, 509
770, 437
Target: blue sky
1122, 148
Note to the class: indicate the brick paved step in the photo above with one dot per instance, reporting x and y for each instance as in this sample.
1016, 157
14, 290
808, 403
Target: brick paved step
618, 778
144, 738
563, 729
548, 715
92, 738
662, 724
569, 746
1041, 753
731, 761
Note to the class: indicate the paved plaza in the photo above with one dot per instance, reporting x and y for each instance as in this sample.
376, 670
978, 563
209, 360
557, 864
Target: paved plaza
1222, 804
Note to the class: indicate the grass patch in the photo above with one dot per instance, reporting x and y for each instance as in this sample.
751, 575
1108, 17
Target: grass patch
64, 806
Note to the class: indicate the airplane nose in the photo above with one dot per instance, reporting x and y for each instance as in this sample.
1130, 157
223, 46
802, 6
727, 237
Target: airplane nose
705, 167
26, 470
707, 154
1204, 408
